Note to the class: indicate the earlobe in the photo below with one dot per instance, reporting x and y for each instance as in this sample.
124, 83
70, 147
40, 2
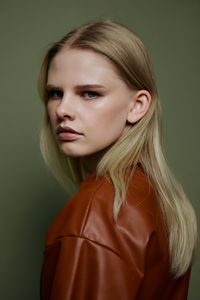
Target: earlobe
139, 106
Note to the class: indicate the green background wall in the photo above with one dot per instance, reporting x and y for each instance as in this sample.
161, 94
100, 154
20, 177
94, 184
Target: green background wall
30, 198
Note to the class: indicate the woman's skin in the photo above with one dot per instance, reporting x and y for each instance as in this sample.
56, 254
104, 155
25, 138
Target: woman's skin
86, 94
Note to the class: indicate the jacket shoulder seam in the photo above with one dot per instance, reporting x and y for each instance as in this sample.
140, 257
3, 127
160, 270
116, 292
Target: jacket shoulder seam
107, 248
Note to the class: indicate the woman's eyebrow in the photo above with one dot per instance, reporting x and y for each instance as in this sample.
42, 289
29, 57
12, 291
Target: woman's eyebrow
51, 86
77, 87
89, 86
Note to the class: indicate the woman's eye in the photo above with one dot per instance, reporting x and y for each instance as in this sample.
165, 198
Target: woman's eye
90, 94
55, 94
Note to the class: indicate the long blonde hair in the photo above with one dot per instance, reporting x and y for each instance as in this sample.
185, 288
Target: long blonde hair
140, 143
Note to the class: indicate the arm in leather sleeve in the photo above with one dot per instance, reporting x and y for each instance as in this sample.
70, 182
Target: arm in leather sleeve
77, 268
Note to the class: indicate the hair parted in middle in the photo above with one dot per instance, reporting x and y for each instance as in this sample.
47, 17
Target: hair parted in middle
130, 60
140, 142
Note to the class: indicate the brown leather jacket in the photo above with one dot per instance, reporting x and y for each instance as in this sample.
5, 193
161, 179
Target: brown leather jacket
89, 257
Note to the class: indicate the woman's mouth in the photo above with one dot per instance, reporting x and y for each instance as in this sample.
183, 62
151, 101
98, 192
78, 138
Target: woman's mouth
67, 134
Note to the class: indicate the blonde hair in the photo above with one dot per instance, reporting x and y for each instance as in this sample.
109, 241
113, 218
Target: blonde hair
140, 143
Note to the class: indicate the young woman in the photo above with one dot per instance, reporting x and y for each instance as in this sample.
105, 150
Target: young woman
130, 232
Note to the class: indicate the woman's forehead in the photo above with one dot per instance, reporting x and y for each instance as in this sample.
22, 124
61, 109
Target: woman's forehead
83, 65
81, 58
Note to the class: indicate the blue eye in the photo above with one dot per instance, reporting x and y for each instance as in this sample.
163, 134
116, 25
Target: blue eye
54, 94
90, 94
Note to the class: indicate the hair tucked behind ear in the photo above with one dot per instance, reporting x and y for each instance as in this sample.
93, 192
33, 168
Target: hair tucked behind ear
140, 143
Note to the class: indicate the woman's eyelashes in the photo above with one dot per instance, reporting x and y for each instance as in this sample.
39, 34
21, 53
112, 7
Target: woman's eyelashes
90, 94
54, 94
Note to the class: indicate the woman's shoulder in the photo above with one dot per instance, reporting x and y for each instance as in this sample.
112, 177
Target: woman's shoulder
139, 219
89, 214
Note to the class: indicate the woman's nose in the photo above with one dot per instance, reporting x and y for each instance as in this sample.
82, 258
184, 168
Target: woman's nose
66, 108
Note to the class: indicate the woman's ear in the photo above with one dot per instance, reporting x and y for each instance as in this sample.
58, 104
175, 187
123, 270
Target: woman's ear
139, 106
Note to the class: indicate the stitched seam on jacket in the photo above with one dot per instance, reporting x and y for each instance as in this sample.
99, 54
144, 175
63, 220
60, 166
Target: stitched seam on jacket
61, 238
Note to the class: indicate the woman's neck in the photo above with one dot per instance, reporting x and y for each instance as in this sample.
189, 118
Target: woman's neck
89, 163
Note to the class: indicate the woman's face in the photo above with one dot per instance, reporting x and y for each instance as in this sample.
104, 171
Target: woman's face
88, 103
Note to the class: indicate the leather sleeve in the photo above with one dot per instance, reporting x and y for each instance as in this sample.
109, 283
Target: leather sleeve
76, 268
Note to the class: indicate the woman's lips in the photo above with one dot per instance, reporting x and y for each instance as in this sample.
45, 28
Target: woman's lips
68, 136
66, 133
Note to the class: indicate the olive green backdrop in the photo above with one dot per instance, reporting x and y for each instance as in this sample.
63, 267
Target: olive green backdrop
30, 198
